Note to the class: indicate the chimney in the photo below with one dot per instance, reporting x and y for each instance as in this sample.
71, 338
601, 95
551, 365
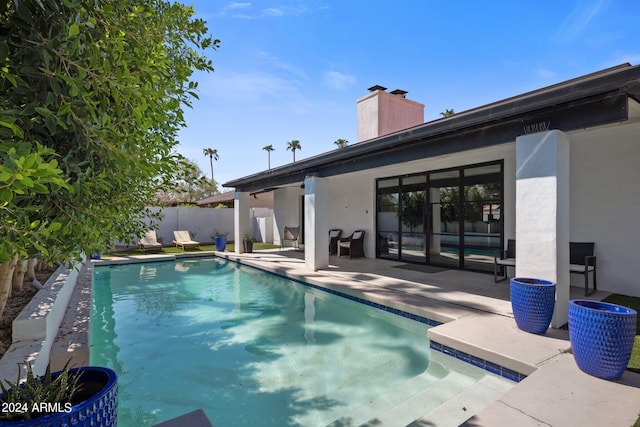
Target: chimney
382, 113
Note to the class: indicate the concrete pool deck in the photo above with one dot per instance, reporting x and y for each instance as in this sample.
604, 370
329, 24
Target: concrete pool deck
477, 320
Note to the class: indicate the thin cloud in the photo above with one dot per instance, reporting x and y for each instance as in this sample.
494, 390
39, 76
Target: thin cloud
579, 19
545, 74
237, 5
622, 57
281, 67
256, 91
271, 12
337, 80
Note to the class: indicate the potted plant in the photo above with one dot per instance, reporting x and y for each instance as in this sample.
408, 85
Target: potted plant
221, 240
532, 301
602, 336
87, 395
247, 243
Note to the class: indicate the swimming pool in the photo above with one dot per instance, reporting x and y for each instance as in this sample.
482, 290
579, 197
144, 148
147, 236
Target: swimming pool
252, 348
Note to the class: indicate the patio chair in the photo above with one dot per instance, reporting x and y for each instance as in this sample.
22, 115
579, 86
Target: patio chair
149, 241
334, 236
383, 245
352, 245
506, 260
582, 260
290, 234
183, 239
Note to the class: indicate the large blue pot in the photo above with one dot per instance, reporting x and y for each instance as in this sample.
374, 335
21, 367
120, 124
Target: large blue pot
532, 301
602, 336
221, 243
100, 408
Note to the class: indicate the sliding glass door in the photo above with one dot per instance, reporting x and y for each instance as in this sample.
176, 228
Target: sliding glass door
449, 218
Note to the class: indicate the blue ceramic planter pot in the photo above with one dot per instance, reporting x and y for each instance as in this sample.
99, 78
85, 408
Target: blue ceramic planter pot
221, 243
99, 408
532, 301
601, 337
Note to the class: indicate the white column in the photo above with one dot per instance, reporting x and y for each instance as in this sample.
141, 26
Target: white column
241, 219
316, 223
542, 213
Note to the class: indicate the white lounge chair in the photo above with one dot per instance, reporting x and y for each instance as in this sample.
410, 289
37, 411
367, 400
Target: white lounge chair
149, 241
183, 239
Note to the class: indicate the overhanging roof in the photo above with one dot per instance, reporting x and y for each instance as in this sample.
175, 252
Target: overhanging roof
587, 101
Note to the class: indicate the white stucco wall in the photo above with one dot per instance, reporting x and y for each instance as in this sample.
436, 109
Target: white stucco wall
352, 206
605, 202
286, 210
201, 221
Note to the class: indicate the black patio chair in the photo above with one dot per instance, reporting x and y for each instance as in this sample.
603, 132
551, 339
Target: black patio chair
334, 237
352, 245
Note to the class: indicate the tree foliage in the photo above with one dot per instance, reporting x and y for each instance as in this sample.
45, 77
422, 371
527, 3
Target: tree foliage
191, 185
268, 148
341, 143
294, 145
92, 96
212, 154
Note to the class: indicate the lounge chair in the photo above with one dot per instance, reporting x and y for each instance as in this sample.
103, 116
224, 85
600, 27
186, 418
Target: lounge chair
149, 241
290, 234
183, 239
334, 237
352, 245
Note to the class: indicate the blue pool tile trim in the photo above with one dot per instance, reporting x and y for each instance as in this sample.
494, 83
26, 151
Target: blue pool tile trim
395, 311
465, 357
494, 368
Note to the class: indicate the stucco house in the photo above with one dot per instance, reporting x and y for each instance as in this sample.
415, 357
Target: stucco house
556, 165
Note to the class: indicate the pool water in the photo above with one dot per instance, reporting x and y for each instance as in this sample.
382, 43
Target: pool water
254, 349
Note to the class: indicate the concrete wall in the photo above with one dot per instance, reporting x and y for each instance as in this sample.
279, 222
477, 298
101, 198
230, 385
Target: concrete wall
352, 206
200, 221
287, 210
605, 202
35, 328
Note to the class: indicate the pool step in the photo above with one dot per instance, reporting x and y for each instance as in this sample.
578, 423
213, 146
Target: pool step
423, 402
460, 408
408, 401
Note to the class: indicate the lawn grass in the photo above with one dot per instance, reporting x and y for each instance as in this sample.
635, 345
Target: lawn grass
634, 303
173, 250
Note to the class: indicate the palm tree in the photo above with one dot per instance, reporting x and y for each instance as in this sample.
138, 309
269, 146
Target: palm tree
341, 143
269, 149
213, 154
448, 112
293, 146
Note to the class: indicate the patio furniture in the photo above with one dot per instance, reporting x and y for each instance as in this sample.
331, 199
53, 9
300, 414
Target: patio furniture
334, 237
383, 244
582, 260
183, 239
507, 259
352, 245
149, 241
290, 234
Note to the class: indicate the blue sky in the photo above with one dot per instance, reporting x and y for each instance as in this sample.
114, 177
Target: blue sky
294, 69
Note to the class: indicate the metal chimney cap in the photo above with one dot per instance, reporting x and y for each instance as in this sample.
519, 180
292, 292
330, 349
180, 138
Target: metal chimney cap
377, 87
400, 92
